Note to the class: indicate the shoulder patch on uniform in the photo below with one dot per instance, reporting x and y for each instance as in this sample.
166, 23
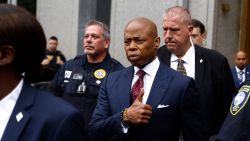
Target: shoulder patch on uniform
100, 73
240, 99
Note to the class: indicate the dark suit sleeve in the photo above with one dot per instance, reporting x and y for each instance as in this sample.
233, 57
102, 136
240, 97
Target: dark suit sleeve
191, 114
229, 88
103, 125
71, 128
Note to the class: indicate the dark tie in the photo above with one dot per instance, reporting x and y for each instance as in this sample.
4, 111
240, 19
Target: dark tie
138, 85
181, 68
240, 76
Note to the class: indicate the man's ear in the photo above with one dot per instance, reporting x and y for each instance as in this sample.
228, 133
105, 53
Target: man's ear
157, 42
107, 43
7, 54
190, 29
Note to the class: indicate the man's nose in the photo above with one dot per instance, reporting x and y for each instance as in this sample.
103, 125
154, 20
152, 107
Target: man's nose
132, 45
168, 35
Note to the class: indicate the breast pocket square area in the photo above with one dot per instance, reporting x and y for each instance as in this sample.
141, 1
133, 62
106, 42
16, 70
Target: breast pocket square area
162, 106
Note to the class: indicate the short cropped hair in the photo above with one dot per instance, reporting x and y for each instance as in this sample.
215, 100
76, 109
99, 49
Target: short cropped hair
106, 33
178, 10
20, 30
53, 38
198, 24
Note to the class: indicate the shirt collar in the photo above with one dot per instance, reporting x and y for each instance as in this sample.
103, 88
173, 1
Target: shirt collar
151, 68
14, 94
237, 69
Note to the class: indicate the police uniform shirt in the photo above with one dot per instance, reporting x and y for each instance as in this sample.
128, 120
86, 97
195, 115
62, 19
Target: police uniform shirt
236, 127
78, 82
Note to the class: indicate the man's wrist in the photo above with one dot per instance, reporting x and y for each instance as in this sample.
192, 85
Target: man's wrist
124, 117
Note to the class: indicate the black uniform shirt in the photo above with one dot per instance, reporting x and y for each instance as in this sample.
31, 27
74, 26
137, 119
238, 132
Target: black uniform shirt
236, 127
76, 74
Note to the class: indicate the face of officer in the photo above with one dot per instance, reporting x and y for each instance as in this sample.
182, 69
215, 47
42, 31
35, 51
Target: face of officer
95, 44
52, 45
177, 31
240, 60
141, 41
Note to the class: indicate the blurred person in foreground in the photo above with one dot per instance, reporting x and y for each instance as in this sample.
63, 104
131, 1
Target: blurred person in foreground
28, 114
147, 101
236, 126
209, 68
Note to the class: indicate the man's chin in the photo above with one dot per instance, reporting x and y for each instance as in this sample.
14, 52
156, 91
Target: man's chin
89, 52
171, 48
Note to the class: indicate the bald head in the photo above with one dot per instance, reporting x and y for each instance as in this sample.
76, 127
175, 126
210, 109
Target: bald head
141, 41
178, 11
145, 23
240, 59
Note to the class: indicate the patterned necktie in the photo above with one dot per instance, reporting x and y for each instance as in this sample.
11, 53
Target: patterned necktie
240, 76
181, 68
138, 84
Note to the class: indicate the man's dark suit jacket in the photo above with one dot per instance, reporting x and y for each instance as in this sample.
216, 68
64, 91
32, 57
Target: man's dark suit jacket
215, 84
174, 100
235, 76
40, 116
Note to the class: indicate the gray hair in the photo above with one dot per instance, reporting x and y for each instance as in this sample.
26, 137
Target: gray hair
106, 33
178, 10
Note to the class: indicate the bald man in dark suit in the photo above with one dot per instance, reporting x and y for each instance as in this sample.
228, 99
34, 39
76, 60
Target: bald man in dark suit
166, 104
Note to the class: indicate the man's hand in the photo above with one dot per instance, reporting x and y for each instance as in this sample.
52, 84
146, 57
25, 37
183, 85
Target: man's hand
45, 62
139, 113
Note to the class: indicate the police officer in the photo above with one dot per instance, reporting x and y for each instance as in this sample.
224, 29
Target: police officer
236, 127
78, 80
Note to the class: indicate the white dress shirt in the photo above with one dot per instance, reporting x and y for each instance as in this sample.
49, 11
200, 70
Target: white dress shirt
150, 70
243, 75
189, 61
7, 105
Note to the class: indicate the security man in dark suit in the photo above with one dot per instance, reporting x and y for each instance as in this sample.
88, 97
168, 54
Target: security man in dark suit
236, 126
79, 79
209, 68
26, 113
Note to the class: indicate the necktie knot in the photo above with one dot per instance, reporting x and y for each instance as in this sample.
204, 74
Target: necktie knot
180, 61
240, 72
140, 73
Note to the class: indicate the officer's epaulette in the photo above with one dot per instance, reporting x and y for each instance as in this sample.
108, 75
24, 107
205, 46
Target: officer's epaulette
115, 61
240, 99
77, 57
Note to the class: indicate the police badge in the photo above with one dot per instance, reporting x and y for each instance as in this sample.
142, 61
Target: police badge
240, 100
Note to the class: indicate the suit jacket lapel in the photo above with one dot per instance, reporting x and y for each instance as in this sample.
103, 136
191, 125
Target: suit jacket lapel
127, 77
200, 62
19, 117
247, 73
159, 87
